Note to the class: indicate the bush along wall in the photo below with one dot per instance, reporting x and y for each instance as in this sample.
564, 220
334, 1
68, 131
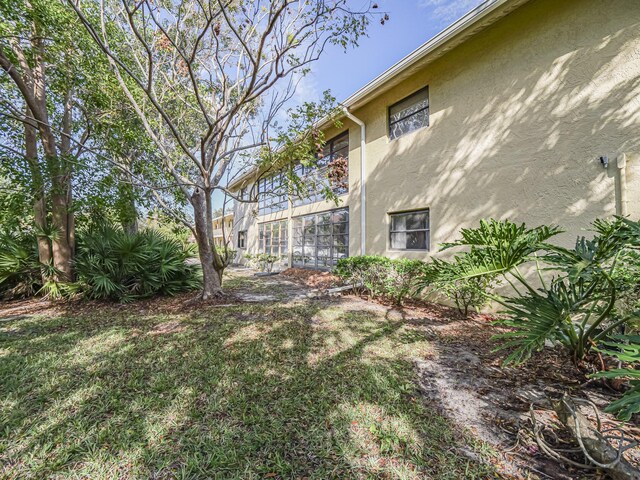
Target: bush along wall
584, 299
400, 279
381, 277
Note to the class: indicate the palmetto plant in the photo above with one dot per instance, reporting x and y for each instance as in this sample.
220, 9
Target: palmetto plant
568, 295
113, 264
20, 270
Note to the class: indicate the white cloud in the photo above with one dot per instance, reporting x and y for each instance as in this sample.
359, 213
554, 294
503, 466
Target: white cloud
449, 10
306, 90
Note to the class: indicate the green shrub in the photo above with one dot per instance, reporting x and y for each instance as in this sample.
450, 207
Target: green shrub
465, 293
265, 261
262, 261
113, 264
383, 277
402, 275
626, 277
250, 259
366, 271
227, 255
20, 270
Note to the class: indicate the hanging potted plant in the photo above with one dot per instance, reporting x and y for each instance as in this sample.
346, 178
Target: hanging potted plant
338, 173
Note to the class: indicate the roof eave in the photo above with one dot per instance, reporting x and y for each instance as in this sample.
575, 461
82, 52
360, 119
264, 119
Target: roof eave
470, 24
458, 32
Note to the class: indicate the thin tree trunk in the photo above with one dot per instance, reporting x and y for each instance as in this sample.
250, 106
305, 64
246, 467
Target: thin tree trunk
130, 217
60, 212
39, 194
71, 218
65, 147
212, 286
218, 262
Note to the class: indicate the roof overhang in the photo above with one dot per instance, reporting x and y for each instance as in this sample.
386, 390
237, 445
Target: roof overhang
458, 32
477, 20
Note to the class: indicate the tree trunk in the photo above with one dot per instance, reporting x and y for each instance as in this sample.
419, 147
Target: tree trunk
127, 192
39, 194
212, 285
62, 249
219, 263
65, 147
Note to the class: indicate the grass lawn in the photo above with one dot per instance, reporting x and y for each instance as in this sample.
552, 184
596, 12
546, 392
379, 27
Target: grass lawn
313, 390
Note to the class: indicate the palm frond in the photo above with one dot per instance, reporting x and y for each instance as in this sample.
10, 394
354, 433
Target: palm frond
625, 348
535, 319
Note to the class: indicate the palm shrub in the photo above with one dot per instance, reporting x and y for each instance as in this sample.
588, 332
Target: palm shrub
116, 265
625, 348
571, 302
21, 273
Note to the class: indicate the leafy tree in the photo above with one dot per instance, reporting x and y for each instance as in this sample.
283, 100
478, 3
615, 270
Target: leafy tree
72, 146
34, 36
207, 80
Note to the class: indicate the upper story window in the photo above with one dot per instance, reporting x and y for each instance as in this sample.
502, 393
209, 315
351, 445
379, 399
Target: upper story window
335, 151
409, 114
272, 194
409, 230
242, 239
244, 194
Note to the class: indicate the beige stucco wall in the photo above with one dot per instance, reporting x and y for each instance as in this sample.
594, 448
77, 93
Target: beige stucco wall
519, 115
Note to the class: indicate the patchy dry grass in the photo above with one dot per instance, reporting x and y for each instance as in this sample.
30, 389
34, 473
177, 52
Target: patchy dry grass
252, 391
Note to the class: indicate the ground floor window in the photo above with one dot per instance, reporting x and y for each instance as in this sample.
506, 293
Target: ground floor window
320, 239
272, 239
242, 239
409, 230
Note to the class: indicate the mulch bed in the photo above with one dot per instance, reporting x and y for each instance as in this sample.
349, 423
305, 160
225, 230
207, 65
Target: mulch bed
180, 304
312, 278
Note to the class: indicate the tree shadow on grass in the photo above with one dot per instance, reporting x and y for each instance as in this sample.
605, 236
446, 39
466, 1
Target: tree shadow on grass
274, 395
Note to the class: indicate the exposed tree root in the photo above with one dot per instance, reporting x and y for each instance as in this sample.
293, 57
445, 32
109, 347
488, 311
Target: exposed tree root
593, 444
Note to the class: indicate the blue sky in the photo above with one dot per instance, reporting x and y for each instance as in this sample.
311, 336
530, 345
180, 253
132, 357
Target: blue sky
412, 22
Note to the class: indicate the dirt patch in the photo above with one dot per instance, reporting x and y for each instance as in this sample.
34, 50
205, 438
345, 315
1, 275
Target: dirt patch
165, 328
312, 278
14, 309
465, 381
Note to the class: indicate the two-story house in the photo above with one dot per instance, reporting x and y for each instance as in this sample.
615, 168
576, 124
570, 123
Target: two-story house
522, 109
223, 230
